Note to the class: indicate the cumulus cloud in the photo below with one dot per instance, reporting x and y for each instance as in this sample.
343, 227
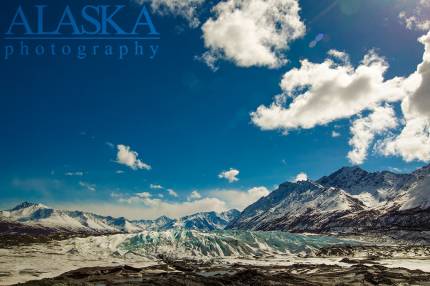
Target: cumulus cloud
364, 129
230, 175
128, 157
144, 205
252, 32
316, 94
418, 18
172, 193
195, 195
339, 55
187, 9
301, 177
144, 195
413, 142
319, 93
236, 199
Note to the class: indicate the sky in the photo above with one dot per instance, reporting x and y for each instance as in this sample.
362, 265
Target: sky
239, 97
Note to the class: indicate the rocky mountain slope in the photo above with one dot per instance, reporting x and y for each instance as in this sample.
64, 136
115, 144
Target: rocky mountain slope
350, 200
36, 218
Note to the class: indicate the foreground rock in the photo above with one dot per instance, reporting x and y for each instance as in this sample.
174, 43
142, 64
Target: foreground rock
185, 274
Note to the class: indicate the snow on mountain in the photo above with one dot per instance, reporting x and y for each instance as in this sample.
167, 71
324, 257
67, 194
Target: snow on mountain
39, 215
208, 221
293, 204
418, 191
373, 189
349, 200
70, 221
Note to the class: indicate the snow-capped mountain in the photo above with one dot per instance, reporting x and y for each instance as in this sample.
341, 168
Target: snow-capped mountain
349, 200
208, 221
39, 215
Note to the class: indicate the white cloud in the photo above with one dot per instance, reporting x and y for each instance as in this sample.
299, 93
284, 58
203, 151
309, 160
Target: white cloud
413, 142
128, 157
252, 32
88, 186
131, 199
418, 18
187, 9
156, 187
364, 130
301, 177
144, 195
172, 193
339, 55
230, 175
335, 134
143, 205
319, 93
414, 22
119, 172
71, 174
195, 195
235, 199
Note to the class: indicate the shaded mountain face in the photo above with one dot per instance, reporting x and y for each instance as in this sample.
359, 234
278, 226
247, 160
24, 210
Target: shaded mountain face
372, 188
41, 217
349, 200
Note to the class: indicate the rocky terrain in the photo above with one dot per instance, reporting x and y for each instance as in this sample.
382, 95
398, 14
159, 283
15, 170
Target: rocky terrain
220, 257
182, 273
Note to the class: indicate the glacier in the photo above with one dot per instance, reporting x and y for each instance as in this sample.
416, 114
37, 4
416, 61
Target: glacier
191, 243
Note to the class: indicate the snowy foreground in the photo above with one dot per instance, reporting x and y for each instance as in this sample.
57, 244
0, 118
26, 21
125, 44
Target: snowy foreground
150, 248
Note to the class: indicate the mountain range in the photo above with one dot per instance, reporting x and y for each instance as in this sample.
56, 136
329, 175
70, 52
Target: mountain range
350, 200
40, 217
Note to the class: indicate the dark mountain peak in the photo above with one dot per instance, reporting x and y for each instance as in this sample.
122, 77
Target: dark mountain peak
351, 170
25, 205
343, 175
423, 171
298, 185
164, 218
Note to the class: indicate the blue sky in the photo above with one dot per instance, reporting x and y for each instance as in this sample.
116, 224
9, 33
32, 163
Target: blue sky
62, 119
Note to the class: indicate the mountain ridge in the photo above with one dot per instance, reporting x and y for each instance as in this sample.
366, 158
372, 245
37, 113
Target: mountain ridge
348, 200
41, 216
